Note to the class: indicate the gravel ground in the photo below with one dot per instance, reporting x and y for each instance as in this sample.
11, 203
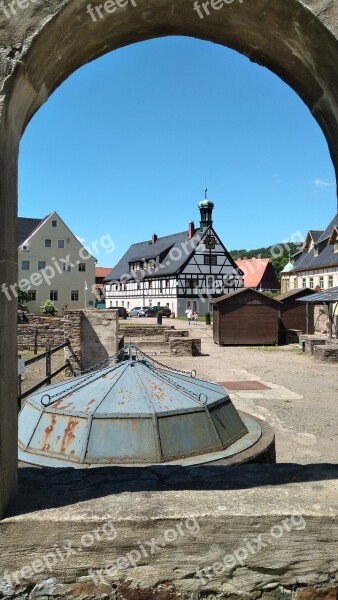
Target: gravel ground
306, 427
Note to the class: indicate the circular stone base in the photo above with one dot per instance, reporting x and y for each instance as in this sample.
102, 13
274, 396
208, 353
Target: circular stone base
257, 446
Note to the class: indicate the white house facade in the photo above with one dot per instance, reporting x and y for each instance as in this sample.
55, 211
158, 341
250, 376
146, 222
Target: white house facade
316, 265
183, 270
53, 265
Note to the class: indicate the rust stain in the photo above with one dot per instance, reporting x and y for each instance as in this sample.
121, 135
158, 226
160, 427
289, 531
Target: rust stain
68, 436
88, 405
48, 432
72, 453
66, 406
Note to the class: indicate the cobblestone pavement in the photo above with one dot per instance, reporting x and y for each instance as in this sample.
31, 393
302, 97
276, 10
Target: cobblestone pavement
300, 404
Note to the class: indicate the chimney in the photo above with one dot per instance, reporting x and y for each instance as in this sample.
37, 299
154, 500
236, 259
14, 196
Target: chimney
191, 229
154, 238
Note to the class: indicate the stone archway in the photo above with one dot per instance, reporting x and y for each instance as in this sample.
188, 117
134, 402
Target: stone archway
43, 43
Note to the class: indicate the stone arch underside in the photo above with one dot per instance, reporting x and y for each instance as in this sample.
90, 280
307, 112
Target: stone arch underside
45, 43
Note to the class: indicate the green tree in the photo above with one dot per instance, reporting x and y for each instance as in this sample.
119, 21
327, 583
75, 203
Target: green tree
48, 308
23, 297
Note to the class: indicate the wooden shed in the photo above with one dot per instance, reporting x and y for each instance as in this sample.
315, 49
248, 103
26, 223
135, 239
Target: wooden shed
246, 317
293, 313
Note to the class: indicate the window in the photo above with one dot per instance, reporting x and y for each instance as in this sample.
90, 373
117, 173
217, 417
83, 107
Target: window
311, 283
335, 246
210, 260
150, 285
74, 295
122, 302
25, 265
330, 281
192, 283
41, 265
54, 223
287, 285
53, 295
48, 243
61, 243
117, 303
304, 282
167, 283
321, 283
32, 295
127, 304
315, 252
82, 267
67, 267
194, 306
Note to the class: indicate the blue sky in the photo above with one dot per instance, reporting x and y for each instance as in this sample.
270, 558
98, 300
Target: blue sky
125, 146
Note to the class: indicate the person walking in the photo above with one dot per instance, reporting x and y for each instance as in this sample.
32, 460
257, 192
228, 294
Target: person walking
195, 315
188, 312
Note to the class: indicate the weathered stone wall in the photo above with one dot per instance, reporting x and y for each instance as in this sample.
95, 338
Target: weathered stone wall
327, 353
99, 336
321, 317
50, 330
170, 333
208, 533
136, 331
93, 336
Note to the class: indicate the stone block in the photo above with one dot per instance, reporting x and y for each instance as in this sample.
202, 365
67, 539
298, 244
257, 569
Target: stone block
170, 333
196, 345
180, 347
327, 353
311, 341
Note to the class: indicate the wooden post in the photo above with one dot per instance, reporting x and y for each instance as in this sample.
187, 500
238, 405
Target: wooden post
48, 364
35, 341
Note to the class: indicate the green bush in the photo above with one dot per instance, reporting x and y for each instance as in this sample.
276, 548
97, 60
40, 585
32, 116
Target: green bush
48, 308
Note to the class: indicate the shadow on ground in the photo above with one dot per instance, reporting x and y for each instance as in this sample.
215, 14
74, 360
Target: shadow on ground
46, 487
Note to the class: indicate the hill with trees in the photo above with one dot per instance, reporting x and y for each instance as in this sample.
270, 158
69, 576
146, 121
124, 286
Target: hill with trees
278, 253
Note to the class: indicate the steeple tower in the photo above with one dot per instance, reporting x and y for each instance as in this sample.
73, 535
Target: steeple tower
206, 208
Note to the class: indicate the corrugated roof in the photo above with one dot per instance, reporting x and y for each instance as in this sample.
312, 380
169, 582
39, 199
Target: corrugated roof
253, 269
25, 227
330, 295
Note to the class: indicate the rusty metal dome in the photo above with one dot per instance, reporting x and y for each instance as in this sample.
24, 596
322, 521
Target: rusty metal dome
129, 413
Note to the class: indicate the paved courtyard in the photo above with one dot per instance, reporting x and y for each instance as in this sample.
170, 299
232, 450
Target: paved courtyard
300, 400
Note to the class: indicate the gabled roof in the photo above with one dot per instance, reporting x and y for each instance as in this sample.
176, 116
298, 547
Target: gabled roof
295, 293
229, 297
315, 234
102, 271
326, 234
159, 250
326, 255
25, 228
253, 269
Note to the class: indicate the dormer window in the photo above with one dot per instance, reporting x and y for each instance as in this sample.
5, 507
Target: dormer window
335, 246
316, 252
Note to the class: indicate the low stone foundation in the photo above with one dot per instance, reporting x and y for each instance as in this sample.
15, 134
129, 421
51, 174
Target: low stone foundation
170, 333
172, 533
327, 353
292, 336
311, 341
184, 346
139, 332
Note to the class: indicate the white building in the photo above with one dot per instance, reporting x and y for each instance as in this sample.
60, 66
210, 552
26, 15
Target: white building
316, 264
183, 270
53, 265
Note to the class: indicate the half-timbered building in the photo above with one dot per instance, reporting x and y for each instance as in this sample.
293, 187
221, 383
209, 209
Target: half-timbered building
181, 271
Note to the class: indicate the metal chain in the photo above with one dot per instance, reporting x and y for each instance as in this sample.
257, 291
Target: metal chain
80, 384
153, 360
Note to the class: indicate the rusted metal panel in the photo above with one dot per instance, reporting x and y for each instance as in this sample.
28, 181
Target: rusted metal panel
121, 440
59, 434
